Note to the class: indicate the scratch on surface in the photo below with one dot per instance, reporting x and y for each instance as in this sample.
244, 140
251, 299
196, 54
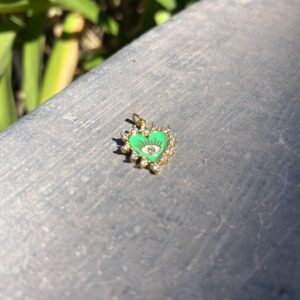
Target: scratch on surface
198, 236
270, 252
282, 142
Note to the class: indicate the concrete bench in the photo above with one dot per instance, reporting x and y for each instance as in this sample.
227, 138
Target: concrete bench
222, 219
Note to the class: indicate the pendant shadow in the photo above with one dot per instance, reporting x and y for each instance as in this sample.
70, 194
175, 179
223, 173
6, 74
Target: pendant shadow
119, 143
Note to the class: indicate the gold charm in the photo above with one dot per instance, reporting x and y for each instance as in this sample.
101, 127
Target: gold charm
150, 147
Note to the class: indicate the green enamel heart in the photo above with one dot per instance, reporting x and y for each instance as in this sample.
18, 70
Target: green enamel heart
151, 147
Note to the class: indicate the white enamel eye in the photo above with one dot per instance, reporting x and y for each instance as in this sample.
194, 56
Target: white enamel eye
151, 149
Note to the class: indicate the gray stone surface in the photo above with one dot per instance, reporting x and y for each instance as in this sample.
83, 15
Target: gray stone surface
220, 222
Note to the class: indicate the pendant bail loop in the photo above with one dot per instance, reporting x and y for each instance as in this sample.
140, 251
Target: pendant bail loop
138, 121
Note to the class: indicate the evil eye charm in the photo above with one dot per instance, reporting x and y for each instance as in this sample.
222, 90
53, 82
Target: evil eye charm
149, 147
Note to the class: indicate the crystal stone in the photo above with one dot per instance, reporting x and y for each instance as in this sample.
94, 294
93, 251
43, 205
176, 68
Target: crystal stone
144, 162
155, 168
124, 136
146, 132
134, 130
125, 148
172, 141
164, 159
134, 156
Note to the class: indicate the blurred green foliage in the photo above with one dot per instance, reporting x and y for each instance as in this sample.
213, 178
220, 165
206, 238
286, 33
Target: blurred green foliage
45, 44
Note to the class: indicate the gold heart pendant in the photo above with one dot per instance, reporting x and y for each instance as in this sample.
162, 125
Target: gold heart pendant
149, 147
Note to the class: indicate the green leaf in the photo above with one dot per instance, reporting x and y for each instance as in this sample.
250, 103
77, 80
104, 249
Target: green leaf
33, 48
8, 113
167, 4
89, 9
8, 32
64, 57
91, 61
147, 17
7, 6
19, 6
110, 26
161, 16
